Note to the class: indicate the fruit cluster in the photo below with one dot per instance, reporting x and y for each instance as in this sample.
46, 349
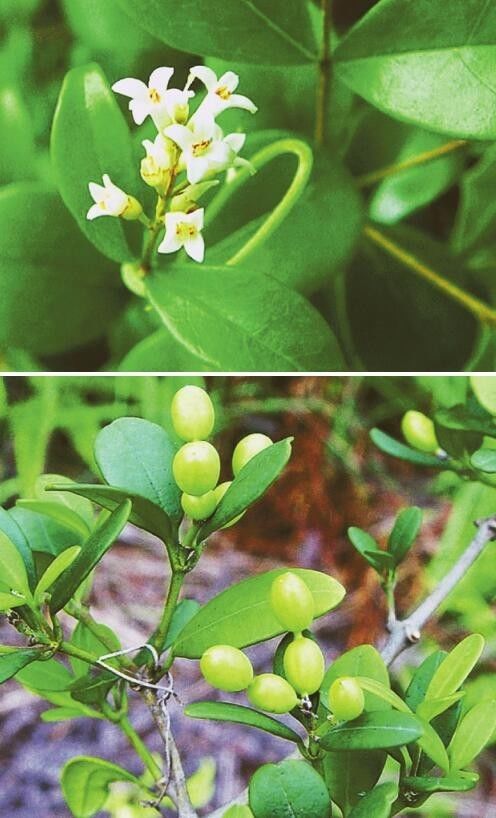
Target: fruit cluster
196, 466
303, 668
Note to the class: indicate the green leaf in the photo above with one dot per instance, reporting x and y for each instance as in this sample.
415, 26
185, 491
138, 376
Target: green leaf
405, 532
462, 418
383, 692
144, 513
238, 811
224, 711
369, 549
86, 639
70, 511
475, 217
364, 661
56, 569
93, 688
472, 734
451, 783
18, 154
484, 460
259, 31
241, 615
250, 484
85, 783
12, 660
56, 714
43, 533
231, 317
16, 535
291, 788
91, 553
484, 387
76, 292
349, 774
136, 455
90, 137
455, 668
395, 448
161, 352
405, 60
13, 574
374, 731
184, 612
8, 601
376, 804
432, 708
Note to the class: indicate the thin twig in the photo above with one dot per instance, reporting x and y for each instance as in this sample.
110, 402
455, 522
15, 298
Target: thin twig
407, 632
412, 162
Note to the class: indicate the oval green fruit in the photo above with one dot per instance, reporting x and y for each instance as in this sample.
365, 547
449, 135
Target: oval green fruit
418, 430
226, 668
247, 448
272, 693
201, 507
292, 602
192, 413
196, 468
304, 665
346, 699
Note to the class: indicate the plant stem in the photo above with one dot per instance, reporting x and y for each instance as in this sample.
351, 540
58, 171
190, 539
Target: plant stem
157, 224
481, 311
408, 631
79, 653
140, 747
412, 162
305, 161
160, 635
324, 77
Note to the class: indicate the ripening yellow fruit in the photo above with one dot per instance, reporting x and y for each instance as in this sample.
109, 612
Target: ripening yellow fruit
272, 693
346, 699
304, 665
226, 668
192, 413
292, 602
419, 431
247, 448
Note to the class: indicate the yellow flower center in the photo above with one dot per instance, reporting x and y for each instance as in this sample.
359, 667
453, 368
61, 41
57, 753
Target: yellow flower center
185, 230
154, 95
223, 92
199, 148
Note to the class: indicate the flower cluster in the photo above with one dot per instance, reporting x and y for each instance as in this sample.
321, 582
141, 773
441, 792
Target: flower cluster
187, 145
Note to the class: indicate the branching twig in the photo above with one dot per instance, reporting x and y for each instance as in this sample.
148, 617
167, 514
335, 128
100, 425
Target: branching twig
406, 632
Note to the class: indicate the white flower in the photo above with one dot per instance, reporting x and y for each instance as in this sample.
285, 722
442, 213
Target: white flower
184, 230
110, 200
155, 99
205, 150
160, 158
219, 92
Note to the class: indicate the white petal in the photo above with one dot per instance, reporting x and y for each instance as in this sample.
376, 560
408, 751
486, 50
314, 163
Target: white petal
130, 87
149, 146
219, 154
195, 247
173, 219
159, 78
181, 135
196, 218
197, 168
205, 75
171, 243
235, 141
204, 126
98, 192
229, 80
240, 101
95, 212
140, 108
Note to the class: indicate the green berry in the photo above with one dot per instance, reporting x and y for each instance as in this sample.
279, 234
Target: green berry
292, 602
192, 413
201, 507
219, 491
196, 468
346, 698
272, 693
304, 665
226, 668
419, 432
247, 448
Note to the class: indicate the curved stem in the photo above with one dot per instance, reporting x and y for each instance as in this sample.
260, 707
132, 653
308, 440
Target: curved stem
481, 311
412, 162
304, 156
324, 76
140, 747
160, 635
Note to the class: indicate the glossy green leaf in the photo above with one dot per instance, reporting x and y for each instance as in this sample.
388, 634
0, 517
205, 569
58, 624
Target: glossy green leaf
90, 137
184, 612
450, 783
366, 661
484, 387
349, 774
395, 448
18, 154
8, 601
75, 291
455, 668
105, 642
161, 352
405, 59
374, 731
431, 708
144, 513
232, 318
383, 692
249, 485
69, 510
56, 569
405, 531
461, 418
241, 615
484, 460
44, 534
85, 783
137, 455
13, 575
16, 535
91, 553
377, 803
259, 31
93, 688
237, 714
12, 660
472, 734
369, 549
475, 217
291, 788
